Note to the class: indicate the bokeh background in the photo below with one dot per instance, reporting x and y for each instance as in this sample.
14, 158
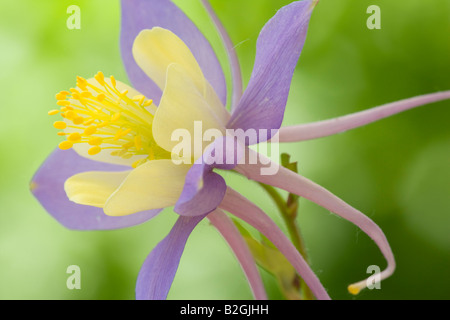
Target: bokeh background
396, 170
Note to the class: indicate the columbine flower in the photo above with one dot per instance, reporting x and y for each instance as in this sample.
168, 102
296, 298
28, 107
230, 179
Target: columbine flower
116, 167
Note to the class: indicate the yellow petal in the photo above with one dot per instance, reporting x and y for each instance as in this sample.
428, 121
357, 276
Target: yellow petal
181, 107
93, 188
154, 50
153, 185
215, 105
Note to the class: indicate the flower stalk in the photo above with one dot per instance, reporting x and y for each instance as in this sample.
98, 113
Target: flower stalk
288, 210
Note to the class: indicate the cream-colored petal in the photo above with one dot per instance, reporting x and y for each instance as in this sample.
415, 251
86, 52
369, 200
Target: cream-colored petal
154, 50
93, 188
153, 185
216, 105
183, 107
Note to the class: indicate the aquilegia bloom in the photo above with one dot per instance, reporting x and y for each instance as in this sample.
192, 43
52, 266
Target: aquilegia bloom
120, 163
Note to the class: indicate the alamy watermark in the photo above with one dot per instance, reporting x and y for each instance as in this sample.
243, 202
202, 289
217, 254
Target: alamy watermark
215, 147
374, 281
374, 21
74, 280
74, 20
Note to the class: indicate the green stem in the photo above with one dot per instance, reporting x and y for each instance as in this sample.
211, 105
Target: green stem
289, 213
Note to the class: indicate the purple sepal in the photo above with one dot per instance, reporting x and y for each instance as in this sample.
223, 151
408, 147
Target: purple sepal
158, 271
204, 189
138, 15
198, 201
47, 186
278, 49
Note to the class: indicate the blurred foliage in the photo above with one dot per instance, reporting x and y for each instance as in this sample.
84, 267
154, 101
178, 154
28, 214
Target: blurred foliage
270, 259
396, 171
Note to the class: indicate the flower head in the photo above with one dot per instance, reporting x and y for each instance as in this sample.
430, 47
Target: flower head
121, 170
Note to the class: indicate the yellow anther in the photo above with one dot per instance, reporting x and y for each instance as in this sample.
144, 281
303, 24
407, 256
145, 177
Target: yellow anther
122, 152
66, 108
147, 103
70, 115
61, 125
90, 130
118, 135
94, 150
124, 93
128, 145
74, 137
65, 145
126, 131
53, 112
100, 78
121, 133
138, 142
63, 103
95, 141
113, 81
61, 134
137, 163
138, 98
101, 97
86, 94
81, 83
354, 290
103, 124
73, 90
88, 122
78, 120
115, 117
151, 155
62, 95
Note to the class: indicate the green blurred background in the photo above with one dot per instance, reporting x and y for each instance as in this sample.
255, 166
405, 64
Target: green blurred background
396, 171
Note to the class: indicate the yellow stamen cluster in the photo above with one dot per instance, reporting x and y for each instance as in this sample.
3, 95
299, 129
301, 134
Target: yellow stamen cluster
98, 114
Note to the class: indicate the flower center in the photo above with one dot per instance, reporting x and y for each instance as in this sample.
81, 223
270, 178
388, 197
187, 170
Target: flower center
97, 113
